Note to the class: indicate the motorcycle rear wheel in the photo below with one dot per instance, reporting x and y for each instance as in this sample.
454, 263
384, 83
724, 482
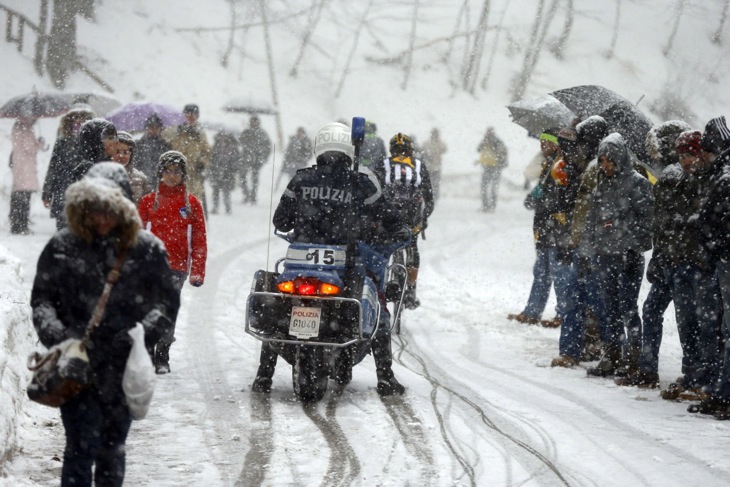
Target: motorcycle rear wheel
310, 373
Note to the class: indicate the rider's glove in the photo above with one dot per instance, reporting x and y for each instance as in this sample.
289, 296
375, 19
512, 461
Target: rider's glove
403, 234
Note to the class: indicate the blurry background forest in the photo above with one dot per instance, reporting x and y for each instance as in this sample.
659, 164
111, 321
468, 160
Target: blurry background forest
315, 60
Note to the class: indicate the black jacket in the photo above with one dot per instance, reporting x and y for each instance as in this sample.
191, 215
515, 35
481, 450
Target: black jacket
147, 155
714, 215
60, 175
316, 202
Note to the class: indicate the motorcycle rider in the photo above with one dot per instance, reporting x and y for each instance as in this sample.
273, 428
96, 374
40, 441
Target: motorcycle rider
314, 207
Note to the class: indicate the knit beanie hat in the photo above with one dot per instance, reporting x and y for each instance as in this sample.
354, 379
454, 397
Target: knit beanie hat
689, 142
716, 137
172, 158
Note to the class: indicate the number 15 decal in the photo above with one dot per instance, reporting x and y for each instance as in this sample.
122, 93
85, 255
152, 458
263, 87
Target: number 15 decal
328, 256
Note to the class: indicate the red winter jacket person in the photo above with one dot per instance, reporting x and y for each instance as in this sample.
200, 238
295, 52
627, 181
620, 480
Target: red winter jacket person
180, 224
177, 219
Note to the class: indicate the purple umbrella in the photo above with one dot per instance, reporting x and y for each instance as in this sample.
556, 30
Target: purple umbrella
131, 117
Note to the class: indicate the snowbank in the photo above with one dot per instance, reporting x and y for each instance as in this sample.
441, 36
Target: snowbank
17, 339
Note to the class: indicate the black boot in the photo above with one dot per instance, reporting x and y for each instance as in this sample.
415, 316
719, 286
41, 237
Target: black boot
162, 358
410, 301
343, 368
267, 366
608, 363
387, 383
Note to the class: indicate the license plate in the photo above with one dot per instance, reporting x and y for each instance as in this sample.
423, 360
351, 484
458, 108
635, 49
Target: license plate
304, 322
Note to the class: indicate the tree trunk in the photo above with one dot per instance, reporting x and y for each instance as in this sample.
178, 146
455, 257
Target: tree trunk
678, 16
616, 24
272, 78
231, 35
493, 54
471, 70
717, 37
40, 44
315, 15
61, 55
533, 52
355, 39
462, 12
409, 55
567, 27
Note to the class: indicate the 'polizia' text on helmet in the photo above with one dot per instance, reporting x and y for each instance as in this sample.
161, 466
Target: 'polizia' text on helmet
401, 145
334, 137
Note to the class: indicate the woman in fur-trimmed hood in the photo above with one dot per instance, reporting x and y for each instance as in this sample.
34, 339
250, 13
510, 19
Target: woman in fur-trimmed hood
71, 273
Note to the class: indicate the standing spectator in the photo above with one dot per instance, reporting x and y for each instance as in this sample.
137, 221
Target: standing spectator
660, 147
103, 226
619, 226
298, 152
225, 160
64, 158
24, 163
176, 217
433, 152
373, 150
125, 155
256, 147
493, 158
542, 221
190, 140
150, 147
713, 222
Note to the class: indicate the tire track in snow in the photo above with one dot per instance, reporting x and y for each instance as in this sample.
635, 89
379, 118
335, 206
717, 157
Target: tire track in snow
525, 453
343, 466
223, 409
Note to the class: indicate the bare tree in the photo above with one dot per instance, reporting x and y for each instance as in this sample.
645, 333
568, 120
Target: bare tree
471, 69
314, 16
717, 37
356, 37
677, 17
272, 78
61, 54
557, 49
463, 12
411, 43
231, 35
616, 24
537, 38
498, 32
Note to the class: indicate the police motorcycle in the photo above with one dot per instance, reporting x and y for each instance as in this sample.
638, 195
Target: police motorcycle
318, 309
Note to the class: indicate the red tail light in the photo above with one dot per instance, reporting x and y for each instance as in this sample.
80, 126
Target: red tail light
308, 287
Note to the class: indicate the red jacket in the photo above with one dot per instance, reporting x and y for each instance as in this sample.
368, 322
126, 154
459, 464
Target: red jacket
183, 234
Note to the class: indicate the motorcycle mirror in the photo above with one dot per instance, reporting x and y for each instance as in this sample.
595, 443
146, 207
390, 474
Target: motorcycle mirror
358, 130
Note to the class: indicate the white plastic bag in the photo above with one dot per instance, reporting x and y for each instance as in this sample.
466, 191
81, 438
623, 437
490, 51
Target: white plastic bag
139, 375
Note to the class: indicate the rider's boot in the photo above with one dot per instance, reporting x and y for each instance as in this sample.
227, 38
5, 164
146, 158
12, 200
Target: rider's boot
387, 383
410, 301
343, 368
267, 365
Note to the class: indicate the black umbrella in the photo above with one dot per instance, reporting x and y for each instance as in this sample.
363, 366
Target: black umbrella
35, 105
538, 114
621, 115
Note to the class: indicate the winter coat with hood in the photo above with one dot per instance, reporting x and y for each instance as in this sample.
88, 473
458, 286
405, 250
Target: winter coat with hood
177, 218
64, 159
620, 218
72, 270
91, 145
225, 161
24, 159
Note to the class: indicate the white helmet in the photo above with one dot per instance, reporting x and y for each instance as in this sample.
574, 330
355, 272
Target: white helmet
334, 137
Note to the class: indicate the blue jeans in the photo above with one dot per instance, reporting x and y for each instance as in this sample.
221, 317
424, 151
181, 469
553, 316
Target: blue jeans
697, 307
620, 278
723, 277
656, 303
542, 280
572, 308
95, 434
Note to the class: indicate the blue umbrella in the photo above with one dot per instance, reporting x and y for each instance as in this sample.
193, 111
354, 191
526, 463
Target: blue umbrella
132, 116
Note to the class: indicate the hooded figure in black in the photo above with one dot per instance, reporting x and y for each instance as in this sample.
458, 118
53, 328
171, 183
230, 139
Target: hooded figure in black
97, 142
72, 270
